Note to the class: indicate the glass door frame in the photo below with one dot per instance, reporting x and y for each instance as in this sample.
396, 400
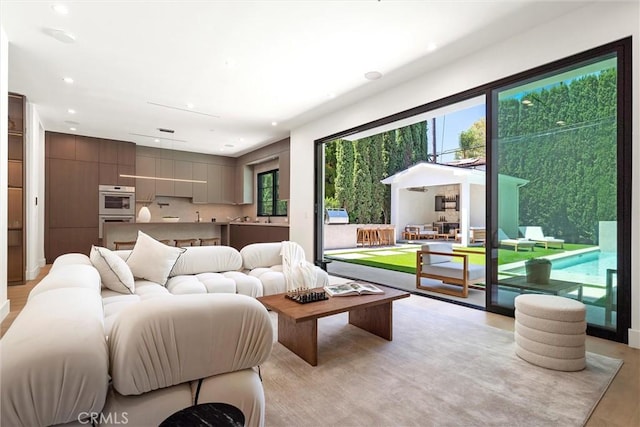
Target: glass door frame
622, 49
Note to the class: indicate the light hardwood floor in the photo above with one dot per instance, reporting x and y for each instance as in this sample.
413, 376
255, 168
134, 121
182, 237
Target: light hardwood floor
618, 408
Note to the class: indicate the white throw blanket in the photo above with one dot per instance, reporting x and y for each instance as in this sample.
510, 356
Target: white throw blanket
298, 272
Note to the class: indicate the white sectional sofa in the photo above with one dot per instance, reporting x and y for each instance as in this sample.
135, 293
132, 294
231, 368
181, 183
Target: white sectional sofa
265, 262
78, 353
133, 336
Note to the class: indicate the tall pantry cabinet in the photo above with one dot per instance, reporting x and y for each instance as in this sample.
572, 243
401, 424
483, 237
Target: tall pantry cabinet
15, 191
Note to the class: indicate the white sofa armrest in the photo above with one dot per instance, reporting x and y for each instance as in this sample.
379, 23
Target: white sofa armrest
54, 363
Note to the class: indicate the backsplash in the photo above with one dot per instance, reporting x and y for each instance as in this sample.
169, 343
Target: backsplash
183, 208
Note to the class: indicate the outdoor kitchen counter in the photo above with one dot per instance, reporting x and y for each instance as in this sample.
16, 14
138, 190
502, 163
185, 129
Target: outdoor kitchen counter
127, 232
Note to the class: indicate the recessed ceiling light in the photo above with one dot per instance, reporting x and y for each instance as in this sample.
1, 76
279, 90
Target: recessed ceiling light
156, 140
61, 35
72, 129
71, 111
189, 105
372, 75
60, 9
68, 80
274, 123
432, 46
241, 139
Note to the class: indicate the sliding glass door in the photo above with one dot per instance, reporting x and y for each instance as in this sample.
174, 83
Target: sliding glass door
556, 176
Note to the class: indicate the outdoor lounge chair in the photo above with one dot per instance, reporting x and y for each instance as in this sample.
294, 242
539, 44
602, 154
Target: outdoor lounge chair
435, 261
505, 240
535, 234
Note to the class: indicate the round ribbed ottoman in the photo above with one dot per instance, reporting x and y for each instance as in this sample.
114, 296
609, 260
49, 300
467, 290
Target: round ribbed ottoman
550, 331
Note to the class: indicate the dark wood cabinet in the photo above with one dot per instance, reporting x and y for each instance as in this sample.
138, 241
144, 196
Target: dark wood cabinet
126, 153
16, 255
87, 149
60, 146
241, 235
75, 166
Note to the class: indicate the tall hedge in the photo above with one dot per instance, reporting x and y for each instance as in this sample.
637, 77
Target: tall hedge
565, 145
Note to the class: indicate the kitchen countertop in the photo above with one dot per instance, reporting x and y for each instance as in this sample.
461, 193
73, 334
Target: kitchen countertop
266, 224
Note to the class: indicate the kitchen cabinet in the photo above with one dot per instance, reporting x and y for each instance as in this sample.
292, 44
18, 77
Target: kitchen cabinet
284, 168
87, 149
75, 165
214, 178
227, 184
164, 169
200, 190
126, 153
73, 194
183, 170
60, 146
108, 152
145, 188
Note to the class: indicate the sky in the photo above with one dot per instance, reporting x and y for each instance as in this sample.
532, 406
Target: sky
449, 127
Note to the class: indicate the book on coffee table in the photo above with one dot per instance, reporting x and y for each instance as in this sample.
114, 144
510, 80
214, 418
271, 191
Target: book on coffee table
352, 288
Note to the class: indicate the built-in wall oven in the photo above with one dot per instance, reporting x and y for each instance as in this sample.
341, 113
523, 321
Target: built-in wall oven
117, 200
117, 203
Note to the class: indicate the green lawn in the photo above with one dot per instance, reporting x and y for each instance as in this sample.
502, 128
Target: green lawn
406, 262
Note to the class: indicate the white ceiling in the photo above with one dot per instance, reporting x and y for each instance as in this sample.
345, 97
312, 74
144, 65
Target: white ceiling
242, 64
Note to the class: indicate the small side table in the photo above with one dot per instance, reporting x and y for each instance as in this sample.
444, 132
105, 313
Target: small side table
206, 414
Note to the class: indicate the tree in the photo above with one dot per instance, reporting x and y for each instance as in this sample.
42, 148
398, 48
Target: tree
344, 175
472, 141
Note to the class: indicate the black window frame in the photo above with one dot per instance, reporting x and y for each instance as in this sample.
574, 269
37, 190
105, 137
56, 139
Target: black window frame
623, 50
274, 195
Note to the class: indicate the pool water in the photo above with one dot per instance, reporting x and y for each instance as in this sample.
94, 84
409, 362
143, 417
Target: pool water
589, 267
591, 264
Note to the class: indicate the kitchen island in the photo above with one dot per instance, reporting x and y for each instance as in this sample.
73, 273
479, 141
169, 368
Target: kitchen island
242, 234
128, 231
235, 234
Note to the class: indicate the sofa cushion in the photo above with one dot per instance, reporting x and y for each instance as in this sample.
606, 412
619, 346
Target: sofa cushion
436, 247
115, 274
455, 270
178, 339
151, 259
207, 259
261, 255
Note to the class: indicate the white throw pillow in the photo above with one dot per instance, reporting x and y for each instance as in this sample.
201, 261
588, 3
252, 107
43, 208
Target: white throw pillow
115, 274
152, 260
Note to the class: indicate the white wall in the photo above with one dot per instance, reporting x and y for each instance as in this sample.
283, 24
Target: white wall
596, 24
34, 215
478, 211
4, 165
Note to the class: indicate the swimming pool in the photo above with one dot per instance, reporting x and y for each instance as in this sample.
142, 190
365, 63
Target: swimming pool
591, 263
587, 267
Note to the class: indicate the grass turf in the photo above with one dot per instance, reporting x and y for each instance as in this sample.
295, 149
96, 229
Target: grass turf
406, 262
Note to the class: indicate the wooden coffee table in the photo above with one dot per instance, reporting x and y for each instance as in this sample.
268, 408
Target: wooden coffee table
298, 323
